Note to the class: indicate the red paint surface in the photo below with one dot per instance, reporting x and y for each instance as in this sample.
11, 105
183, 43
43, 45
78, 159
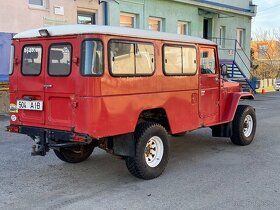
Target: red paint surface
107, 106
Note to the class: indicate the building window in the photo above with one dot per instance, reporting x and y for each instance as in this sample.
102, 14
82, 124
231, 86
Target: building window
155, 24
127, 20
183, 28
43, 4
240, 37
222, 39
86, 18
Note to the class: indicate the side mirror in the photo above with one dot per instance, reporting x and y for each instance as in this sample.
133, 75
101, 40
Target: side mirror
224, 70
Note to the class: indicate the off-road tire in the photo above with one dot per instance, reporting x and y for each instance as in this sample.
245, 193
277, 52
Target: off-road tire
137, 165
238, 125
76, 154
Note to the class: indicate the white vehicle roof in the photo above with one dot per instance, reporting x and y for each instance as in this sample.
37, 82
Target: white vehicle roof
64, 30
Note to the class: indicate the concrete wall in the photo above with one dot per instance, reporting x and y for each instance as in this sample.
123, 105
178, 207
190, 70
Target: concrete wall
4, 101
18, 15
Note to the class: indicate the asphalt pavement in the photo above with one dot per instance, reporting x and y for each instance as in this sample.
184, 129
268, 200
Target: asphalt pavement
203, 173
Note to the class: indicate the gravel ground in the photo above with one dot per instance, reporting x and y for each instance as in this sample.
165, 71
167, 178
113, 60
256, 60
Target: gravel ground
203, 173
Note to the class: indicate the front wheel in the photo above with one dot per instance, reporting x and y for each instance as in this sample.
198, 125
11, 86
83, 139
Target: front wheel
244, 125
75, 154
152, 151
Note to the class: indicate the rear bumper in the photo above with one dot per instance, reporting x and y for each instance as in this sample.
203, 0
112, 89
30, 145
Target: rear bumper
50, 138
50, 135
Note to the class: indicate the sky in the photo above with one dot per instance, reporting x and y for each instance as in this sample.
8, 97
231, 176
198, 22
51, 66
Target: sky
268, 15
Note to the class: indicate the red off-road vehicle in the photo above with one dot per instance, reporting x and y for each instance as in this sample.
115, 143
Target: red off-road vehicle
74, 88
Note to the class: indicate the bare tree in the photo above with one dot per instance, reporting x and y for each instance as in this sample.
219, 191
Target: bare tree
265, 53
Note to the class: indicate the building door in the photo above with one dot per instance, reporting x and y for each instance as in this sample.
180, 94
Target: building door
209, 84
207, 28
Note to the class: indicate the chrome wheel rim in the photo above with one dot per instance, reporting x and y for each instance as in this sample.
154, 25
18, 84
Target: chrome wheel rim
248, 126
154, 151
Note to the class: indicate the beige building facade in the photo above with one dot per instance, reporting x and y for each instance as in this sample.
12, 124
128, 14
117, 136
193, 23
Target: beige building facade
21, 15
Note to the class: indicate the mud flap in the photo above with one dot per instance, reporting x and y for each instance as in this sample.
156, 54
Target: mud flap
124, 145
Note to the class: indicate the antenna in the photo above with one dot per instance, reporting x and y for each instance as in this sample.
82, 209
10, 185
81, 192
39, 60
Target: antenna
102, 1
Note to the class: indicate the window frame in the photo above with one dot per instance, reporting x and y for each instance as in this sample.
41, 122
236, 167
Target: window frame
179, 46
71, 59
21, 65
44, 6
87, 14
240, 40
103, 51
12, 65
130, 42
133, 16
187, 24
160, 20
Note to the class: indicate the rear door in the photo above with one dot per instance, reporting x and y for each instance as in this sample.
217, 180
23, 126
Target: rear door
31, 80
60, 84
209, 83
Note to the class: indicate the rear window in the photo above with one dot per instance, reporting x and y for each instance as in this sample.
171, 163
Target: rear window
60, 57
92, 58
31, 60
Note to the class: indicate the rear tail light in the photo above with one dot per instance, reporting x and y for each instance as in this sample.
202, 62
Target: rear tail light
13, 129
80, 138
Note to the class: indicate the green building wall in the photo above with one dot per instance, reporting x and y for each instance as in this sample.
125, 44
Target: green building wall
172, 11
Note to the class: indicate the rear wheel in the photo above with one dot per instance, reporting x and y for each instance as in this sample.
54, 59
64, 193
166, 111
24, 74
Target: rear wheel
244, 125
152, 151
75, 154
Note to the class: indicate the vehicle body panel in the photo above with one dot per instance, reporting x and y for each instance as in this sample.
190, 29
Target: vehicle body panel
108, 106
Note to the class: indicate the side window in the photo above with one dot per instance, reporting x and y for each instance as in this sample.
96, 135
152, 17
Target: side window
189, 60
60, 59
12, 57
173, 60
145, 56
131, 59
180, 60
31, 60
92, 58
122, 58
207, 61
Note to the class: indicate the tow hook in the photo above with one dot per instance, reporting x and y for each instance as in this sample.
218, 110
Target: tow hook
40, 147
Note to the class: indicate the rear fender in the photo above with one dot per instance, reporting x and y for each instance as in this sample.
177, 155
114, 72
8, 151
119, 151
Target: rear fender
232, 102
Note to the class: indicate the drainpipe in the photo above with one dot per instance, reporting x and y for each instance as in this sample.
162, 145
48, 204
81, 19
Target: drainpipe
106, 13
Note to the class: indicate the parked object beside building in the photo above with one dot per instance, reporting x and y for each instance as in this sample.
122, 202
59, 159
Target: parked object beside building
228, 23
123, 90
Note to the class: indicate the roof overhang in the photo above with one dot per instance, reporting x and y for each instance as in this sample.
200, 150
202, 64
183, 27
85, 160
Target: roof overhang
221, 8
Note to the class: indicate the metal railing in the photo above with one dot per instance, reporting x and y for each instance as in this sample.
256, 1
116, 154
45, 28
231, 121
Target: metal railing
233, 53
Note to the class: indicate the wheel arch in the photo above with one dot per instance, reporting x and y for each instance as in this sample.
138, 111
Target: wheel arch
232, 103
157, 115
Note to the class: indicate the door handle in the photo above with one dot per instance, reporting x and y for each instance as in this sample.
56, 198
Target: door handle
47, 86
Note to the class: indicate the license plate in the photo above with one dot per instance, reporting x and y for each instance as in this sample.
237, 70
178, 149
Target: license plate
30, 105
